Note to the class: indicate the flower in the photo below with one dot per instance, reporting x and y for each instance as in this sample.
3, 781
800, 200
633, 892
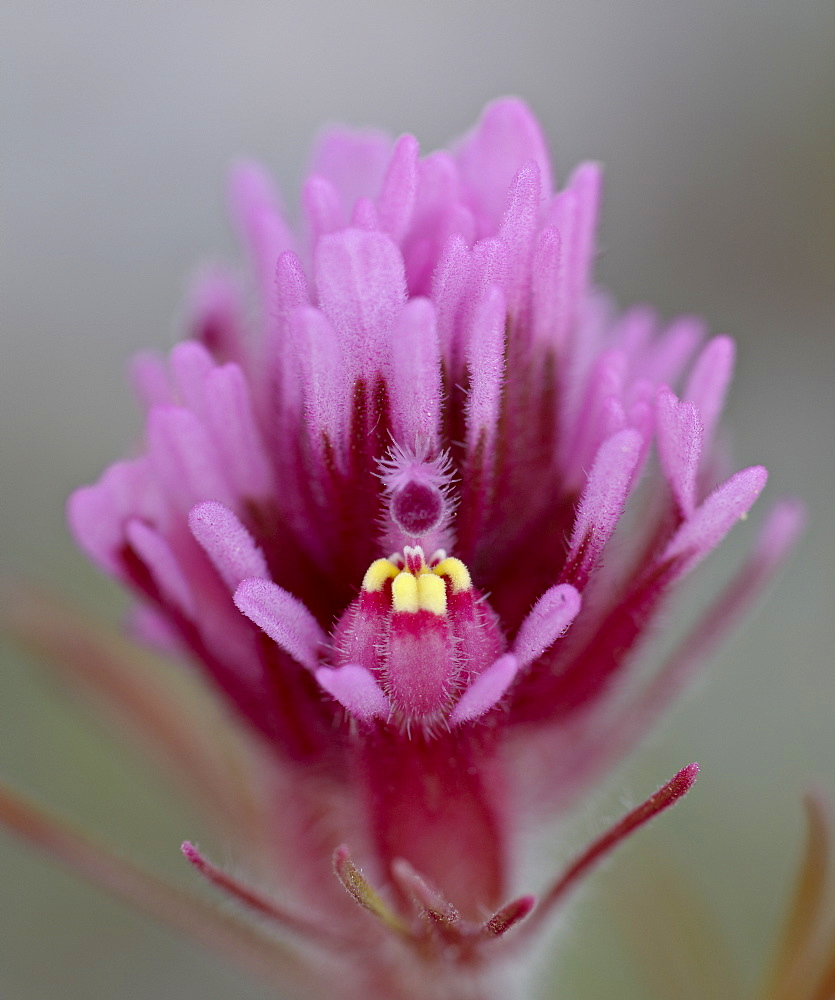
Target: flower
378, 518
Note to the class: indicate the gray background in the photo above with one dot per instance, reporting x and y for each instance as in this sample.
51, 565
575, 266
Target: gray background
714, 120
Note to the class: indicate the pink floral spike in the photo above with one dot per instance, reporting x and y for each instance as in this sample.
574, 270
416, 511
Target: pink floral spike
708, 382
97, 514
397, 197
680, 433
159, 558
283, 618
227, 543
255, 208
353, 162
487, 351
416, 376
149, 378
378, 515
602, 504
548, 620
215, 315
665, 797
186, 461
191, 364
728, 504
356, 690
236, 432
507, 137
323, 207
361, 290
519, 231
486, 691
323, 383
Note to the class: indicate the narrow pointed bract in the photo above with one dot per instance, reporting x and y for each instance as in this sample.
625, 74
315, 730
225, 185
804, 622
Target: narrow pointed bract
381, 519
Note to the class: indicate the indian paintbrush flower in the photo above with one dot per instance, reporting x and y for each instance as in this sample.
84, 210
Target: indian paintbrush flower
378, 516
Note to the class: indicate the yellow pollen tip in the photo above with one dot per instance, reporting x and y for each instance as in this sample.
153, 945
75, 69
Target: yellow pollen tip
377, 574
431, 593
457, 572
404, 593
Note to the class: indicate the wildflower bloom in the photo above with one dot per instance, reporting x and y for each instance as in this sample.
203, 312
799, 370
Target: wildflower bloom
378, 517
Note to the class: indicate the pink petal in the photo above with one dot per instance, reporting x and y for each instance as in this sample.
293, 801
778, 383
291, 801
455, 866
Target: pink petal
546, 622
728, 504
573, 214
669, 355
362, 288
709, 381
320, 360
416, 376
323, 207
190, 366
364, 215
354, 162
486, 691
679, 434
227, 543
231, 419
215, 314
186, 461
255, 207
97, 513
163, 565
355, 689
506, 137
548, 290
518, 231
397, 197
450, 285
602, 502
283, 617
487, 365
149, 378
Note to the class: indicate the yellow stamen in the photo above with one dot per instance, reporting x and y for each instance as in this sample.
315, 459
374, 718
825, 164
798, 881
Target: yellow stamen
404, 593
431, 592
457, 572
377, 574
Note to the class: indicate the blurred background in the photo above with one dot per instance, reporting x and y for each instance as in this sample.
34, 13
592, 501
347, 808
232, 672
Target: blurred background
715, 123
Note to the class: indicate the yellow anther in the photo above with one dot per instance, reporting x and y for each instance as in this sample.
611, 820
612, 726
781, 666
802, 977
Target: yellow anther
377, 574
431, 592
404, 593
457, 572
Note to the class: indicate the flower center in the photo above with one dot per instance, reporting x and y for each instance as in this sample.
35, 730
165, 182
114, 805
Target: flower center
416, 585
421, 630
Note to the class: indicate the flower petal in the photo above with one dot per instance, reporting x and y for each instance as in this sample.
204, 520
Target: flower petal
602, 503
728, 504
362, 288
283, 617
679, 434
227, 543
486, 691
416, 377
356, 690
546, 622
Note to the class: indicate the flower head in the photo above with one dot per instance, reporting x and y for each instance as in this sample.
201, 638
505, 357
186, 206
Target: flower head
378, 516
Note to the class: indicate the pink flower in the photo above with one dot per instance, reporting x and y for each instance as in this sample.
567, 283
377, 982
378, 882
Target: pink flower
379, 515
